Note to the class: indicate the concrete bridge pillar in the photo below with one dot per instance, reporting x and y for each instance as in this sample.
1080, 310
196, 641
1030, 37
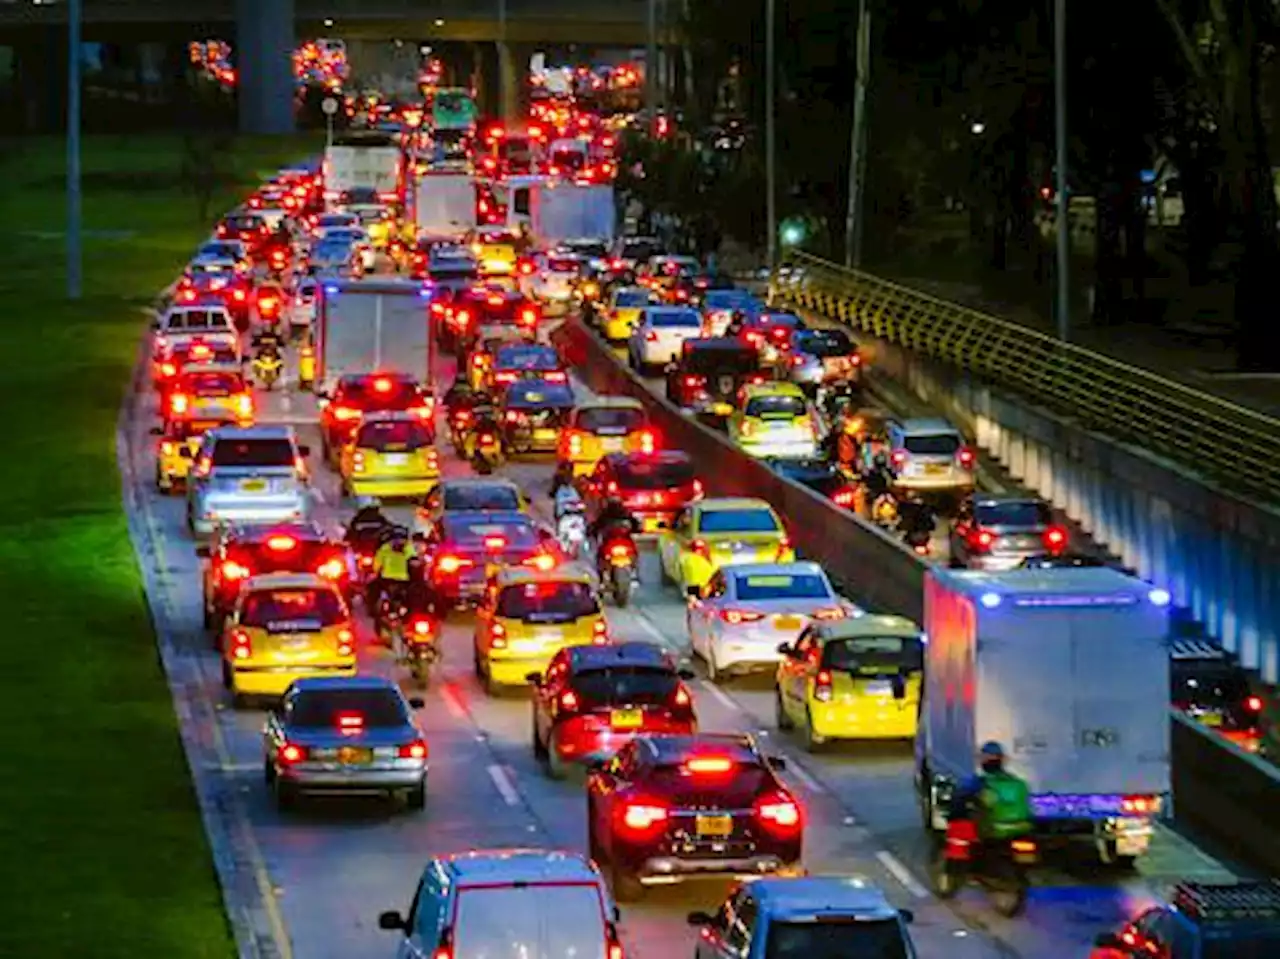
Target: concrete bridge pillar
264, 60
508, 82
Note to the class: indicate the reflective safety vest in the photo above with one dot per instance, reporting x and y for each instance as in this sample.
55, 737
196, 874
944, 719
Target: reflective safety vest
392, 563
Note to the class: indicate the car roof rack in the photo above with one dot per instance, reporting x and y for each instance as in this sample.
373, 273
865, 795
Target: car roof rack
1210, 902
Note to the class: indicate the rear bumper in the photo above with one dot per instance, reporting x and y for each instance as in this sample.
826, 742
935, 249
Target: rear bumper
783, 449
659, 870
393, 486
207, 516
934, 484
512, 670
273, 681
575, 742
996, 562
846, 722
353, 779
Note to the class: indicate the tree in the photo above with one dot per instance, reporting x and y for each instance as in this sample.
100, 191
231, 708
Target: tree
204, 169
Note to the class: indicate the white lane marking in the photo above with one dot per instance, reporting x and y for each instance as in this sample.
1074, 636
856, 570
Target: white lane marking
506, 788
727, 701
453, 702
649, 627
806, 779
902, 874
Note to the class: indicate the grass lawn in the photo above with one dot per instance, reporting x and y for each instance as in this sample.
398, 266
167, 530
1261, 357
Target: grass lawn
103, 849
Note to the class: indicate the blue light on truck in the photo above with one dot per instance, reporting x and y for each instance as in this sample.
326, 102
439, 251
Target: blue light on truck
990, 600
330, 290
1159, 597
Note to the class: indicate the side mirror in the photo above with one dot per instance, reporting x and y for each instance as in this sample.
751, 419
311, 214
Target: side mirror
202, 551
686, 674
156, 431
304, 450
778, 762
907, 915
187, 453
700, 918
617, 914
417, 702
1108, 940
391, 921
693, 593
785, 649
534, 679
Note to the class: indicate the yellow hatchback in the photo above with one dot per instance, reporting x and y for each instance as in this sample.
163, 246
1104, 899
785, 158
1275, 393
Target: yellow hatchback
285, 626
177, 449
607, 424
390, 456
624, 312
856, 678
529, 615
774, 419
495, 252
713, 533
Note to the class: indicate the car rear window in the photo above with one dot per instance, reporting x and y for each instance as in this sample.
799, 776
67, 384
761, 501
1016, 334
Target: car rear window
540, 394
300, 608
638, 249
781, 586
610, 421
571, 159
330, 220
547, 602
393, 436
775, 407
253, 452
836, 938
320, 709
475, 532
626, 684
1028, 514
213, 384
197, 320
1200, 681
481, 498
526, 358
738, 521
564, 265
825, 343
675, 319
632, 299
874, 655
559, 920
654, 474
721, 360
361, 195
932, 444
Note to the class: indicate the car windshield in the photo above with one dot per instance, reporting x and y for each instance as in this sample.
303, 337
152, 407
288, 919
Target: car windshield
498, 535
675, 319
1197, 681
1028, 513
825, 343
390, 436
493, 498
315, 608
775, 407
608, 420
737, 521
631, 299
213, 384
547, 602
932, 444
253, 452
837, 938
526, 358
625, 685
321, 709
751, 588
539, 394
874, 655
642, 473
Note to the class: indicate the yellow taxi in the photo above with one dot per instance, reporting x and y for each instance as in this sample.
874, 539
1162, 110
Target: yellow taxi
529, 615
285, 626
207, 393
855, 678
625, 307
495, 250
176, 451
774, 419
719, 532
607, 424
390, 455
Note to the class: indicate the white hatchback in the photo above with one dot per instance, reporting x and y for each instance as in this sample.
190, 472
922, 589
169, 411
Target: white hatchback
658, 338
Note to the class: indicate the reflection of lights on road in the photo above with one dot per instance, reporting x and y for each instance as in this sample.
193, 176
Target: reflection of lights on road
978, 128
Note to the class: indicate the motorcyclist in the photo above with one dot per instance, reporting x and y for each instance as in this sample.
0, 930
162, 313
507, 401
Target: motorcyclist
562, 477
997, 801
916, 517
368, 524
484, 419
392, 567
267, 341
878, 477
613, 517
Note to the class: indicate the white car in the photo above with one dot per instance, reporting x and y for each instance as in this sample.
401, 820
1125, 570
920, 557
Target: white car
748, 611
357, 237
553, 279
302, 307
658, 338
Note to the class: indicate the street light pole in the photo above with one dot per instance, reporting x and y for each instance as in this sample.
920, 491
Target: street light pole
505, 107
858, 138
1061, 199
75, 253
770, 135
651, 69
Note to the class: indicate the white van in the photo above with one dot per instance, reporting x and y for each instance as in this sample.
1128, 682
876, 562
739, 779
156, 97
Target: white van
506, 904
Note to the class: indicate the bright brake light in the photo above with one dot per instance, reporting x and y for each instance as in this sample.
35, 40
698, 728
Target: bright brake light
898, 458
1140, 805
736, 617
288, 754
980, 540
1055, 537
241, 645
709, 765
281, 544
966, 458
332, 569
231, 570
350, 721
642, 817
780, 812
495, 542
648, 441
1253, 704
382, 385
452, 564
414, 750
179, 403
345, 414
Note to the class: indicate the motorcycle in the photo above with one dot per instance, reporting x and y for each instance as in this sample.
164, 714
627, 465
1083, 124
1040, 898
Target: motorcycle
486, 454
419, 649
267, 367
390, 616
884, 511
919, 540
571, 531
1000, 867
459, 422
617, 566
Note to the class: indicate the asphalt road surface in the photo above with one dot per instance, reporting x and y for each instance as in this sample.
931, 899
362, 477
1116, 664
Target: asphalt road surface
334, 865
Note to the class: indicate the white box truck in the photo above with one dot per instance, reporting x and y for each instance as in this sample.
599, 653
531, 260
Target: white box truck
369, 326
444, 204
369, 160
553, 210
1068, 669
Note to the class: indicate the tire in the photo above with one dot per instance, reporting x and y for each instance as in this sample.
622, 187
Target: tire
421, 672
620, 586
813, 743
556, 768
946, 885
286, 796
539, 748
781, 719
226, 676
416, 798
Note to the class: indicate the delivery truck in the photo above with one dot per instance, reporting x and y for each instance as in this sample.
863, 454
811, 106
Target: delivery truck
367, 326
554, 210
444, 204
364, 160
1068, 669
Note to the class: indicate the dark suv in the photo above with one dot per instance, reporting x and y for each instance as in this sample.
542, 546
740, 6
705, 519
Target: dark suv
709, 373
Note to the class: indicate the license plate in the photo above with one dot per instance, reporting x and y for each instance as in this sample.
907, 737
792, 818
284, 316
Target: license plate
525, 646
549, 634
253, 486
396, 459
787, 622
627, 718
544, 435
295, 644
718, 826
1211, 719
652, 524
355, 755
934, 469
611, 444
1131, 845
879, 687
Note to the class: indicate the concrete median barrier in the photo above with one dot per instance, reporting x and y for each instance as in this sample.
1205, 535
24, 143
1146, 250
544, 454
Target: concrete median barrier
1220, 791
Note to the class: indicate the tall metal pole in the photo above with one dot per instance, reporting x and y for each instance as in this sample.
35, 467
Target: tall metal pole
651, 69
770, 134
505, 106
1061, 199
75, 252
858, 139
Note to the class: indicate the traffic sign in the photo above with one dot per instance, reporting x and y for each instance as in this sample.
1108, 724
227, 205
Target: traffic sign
329, 106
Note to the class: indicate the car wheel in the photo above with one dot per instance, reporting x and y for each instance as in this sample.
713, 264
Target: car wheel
556, 767
781, 719
626, 886
812, 741
492, 688
286, 795
416, 798
663, 576
477, 665
239, 701
268, 772
226, 675
539, 748
206, 615
713, 672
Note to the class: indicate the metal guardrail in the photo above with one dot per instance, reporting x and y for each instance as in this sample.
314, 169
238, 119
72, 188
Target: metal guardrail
1231, 445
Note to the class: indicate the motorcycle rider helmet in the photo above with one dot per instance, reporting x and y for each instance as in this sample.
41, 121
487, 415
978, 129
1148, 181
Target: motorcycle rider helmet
991, 756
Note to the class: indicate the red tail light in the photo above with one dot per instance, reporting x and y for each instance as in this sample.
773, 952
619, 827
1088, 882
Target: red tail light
232, 570
643, 817
503, 379
495, 542
1253, 704
332, 569
168, 369
289, 753
921, 549
346, 642
350, 722
238, 295
414, 750
528, 316
980, 540
699, 548
650, 336
845, 497
1140, 805
241, 645
423, 627
966, 458
600, 632
899, 458
1055, 539
497, 636
462, 317
187, 296
736, 617
621, 551
682, 699
450, 565
281, 544
779, 812
179, 403
961, 835
345, 414
697, 489
832, 612
695, 382
709, 765
822, 686
784, 547
648, 441
203, 466
556, 376
568, 701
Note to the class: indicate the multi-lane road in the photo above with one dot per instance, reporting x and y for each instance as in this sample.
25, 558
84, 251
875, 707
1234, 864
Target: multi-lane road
326, 871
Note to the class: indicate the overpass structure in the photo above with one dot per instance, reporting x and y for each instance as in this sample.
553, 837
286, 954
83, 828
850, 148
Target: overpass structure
264, 32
